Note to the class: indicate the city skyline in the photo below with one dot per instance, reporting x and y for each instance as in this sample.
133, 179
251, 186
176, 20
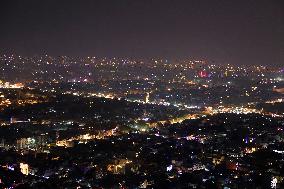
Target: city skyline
129, 94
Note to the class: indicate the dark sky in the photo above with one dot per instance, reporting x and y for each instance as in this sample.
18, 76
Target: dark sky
224, 31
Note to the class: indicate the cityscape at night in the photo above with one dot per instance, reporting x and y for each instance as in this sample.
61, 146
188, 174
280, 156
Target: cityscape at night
142, 94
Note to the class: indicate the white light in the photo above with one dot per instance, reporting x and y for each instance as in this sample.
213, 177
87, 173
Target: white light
274, 183
169, 168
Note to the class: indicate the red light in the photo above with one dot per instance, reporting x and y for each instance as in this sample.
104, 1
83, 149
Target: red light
203, 74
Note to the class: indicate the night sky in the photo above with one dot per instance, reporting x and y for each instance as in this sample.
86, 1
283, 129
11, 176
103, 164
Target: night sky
221, 31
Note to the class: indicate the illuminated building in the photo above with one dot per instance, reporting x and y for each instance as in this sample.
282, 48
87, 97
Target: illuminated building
24, 168
119, 166
65, 143
147, 97
203, 74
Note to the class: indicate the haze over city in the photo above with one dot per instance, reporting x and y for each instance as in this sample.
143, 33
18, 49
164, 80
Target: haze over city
235, 32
